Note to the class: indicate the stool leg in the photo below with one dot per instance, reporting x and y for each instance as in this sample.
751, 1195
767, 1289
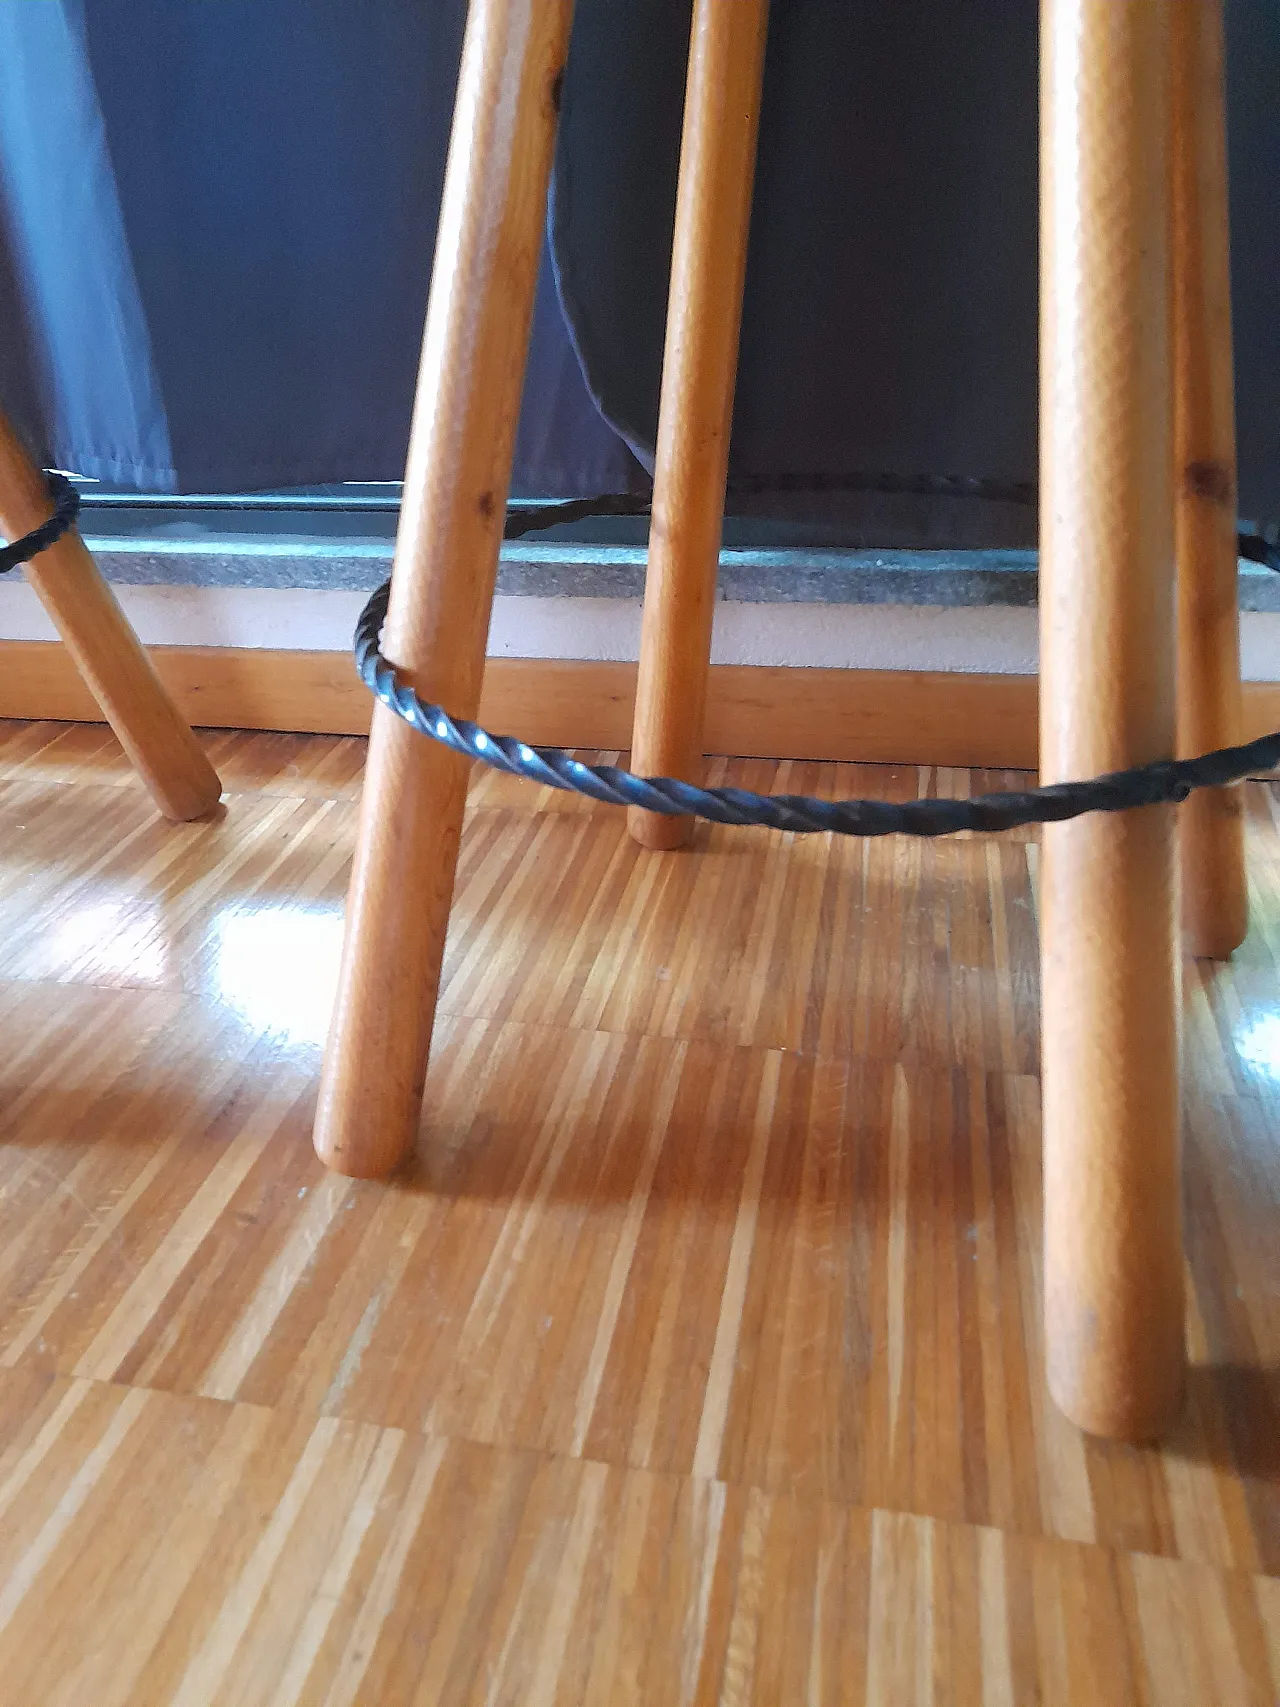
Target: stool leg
106, 651
1215, 906
459, 468
704, 310
1113, 1251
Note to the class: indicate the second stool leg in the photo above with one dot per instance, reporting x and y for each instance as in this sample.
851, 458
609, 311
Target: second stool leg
106, 651
1110, 964
1215, 908
473, 356
704, 309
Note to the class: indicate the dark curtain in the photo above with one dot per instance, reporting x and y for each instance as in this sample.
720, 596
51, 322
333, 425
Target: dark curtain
216, 225
216, 229
890, 318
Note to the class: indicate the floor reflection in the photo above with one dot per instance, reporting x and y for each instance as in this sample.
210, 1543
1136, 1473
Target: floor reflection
277, 967
1257, 1043
123, 938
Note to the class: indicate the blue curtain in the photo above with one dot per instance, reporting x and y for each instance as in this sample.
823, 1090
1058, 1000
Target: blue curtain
217, 220
890, 318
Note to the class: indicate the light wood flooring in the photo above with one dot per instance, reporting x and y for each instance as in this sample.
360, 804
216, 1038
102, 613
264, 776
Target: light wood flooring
696, 1359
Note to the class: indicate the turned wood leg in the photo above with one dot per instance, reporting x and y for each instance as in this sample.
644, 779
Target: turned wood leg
459, 467
699, 369
107, 652
1215, 906
1113, 1248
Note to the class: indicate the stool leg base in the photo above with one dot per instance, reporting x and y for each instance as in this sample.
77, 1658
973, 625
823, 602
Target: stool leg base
473, 358
1215, 903
699, 369
107, 653
1108, 908
658, 831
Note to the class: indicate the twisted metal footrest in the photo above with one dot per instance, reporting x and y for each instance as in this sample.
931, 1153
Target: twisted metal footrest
66, 507
1145, 785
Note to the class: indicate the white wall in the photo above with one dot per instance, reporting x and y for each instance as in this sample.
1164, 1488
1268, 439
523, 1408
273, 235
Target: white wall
999, 639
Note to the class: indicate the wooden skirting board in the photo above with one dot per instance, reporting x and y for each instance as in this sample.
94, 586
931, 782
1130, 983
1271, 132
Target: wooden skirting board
891, 716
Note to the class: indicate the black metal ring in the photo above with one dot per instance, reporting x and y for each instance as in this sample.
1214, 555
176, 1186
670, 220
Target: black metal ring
66, 507
1164, 782
1168, 781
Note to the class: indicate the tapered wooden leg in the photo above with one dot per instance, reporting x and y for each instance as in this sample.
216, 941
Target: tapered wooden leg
1215, 907
704, 310
1113, 1250
459, 468
107, 652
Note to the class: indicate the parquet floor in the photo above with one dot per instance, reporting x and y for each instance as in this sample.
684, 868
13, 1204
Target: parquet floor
696, 1359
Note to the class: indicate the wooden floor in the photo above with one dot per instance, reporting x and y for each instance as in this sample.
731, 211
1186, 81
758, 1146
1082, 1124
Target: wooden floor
698, 1357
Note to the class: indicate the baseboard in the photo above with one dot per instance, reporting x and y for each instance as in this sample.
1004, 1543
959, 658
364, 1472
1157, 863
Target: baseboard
890, 716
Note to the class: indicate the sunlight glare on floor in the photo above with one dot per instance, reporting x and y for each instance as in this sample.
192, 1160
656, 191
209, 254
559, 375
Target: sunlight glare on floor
1258, 1044
116, 938
277, 967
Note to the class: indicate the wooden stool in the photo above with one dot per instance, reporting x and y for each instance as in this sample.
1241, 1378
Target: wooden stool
1136, 374
106, 651
1136, 451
